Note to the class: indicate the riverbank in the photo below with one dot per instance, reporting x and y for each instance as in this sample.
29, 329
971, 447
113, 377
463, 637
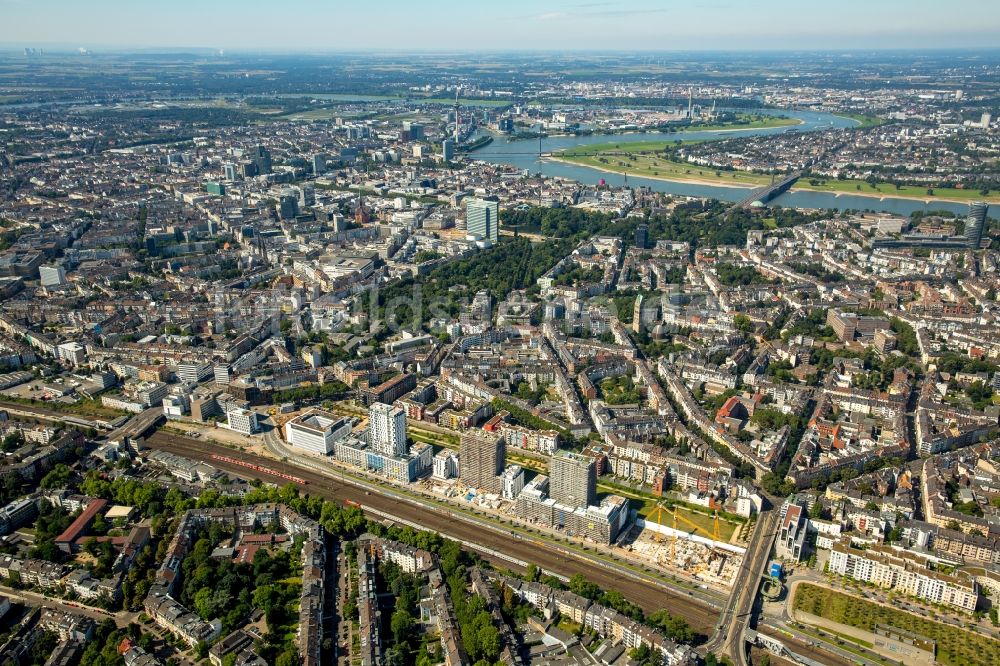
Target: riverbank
769, 123
751, 181
690, 181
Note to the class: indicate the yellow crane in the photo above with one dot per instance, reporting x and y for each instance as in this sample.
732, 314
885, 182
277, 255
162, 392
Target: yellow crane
657, 515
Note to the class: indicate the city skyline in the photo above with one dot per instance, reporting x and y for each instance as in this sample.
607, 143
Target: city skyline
640, 25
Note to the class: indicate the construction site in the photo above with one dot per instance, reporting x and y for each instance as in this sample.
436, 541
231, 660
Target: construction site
674, 542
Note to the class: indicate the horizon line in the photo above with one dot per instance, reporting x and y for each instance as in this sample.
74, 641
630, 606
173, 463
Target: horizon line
62, 47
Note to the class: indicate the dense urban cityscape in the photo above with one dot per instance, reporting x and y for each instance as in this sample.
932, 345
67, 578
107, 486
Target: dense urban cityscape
625, 359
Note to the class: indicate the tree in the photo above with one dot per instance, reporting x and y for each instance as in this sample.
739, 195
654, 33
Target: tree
203, 602
401, 625
287, 658
488, 642
816, 511
673, 627
58, 478
578, 584
640, 653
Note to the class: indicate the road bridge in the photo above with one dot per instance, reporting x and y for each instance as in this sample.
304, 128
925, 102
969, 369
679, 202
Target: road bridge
768, 192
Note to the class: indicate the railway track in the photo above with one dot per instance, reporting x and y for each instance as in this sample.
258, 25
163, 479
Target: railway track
646, 595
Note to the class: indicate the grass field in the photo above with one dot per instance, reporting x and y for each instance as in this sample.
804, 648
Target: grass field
955, 647
889, 190
642, 158
641, 161
704, 522
864, 121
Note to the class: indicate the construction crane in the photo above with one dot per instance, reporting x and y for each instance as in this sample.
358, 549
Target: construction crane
716, 528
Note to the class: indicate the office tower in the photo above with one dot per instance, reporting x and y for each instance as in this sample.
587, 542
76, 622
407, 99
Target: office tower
448, 150
641, 236
52, 276
319, 164
247, 170
387, 426
975, 223
229, 171
288, 205
306, 195
572, 480
481, 460
415, 130
262, 159
482, 219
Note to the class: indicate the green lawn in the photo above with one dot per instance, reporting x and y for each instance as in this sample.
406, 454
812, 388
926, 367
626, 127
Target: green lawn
630, 160
642, 158
864, 121
85, 407
704, 522
955, 647
889, 190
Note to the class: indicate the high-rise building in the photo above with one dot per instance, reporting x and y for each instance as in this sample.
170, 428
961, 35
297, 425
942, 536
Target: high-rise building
387, 429
482, 219
416, 130
52, 276
319, 164
448, 150
261, 157
641, 236
306, 195
975, 223
229, 171
572, 479
481, 460
288, 205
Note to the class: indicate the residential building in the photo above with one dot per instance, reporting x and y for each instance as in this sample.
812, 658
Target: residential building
572, 479
482, 457
903, 571
387, 427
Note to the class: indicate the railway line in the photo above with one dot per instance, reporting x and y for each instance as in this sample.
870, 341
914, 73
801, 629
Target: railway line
645, 594
806, 649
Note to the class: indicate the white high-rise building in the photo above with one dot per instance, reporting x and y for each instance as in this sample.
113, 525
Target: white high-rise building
387, 429
482, 219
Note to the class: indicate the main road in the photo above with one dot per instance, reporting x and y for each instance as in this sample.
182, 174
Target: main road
505, 547
728, 637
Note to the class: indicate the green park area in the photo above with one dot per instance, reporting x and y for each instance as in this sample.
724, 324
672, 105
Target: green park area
955, 647
891, 190
647, 159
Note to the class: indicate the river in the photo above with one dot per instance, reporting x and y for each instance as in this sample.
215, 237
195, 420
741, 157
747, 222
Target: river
523, 153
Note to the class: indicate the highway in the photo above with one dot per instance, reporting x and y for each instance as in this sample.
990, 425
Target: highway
728, 637
649, 594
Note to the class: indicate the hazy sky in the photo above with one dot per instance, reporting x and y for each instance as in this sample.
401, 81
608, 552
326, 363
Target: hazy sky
439, 25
